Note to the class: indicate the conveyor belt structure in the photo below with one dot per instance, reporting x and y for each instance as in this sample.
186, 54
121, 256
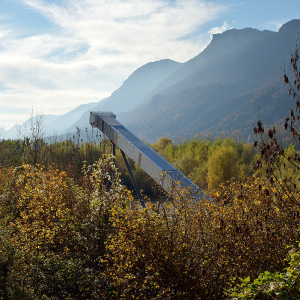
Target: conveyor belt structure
166, 175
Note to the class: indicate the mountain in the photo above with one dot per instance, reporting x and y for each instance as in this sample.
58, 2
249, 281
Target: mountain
222, 88
221, 46
133, 91
139, 84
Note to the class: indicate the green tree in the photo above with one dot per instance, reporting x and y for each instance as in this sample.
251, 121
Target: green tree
221, 166
162, 143
247, 160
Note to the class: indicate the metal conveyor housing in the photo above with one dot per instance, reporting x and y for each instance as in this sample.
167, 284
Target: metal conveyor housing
153, 164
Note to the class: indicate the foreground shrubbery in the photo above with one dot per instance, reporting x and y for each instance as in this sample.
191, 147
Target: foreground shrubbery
277, 285
194, 253
53, 232
61, 240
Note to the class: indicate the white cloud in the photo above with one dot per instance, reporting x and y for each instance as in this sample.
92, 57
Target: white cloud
96, 45
220, 29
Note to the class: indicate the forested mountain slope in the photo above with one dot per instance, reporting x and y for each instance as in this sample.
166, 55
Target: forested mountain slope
225, 91
221, 46
222, 88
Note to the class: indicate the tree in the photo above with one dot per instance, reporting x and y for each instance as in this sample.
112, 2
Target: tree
221, 166
198, 136
36, 135
247, 159
162, 143
237, 136
32, 134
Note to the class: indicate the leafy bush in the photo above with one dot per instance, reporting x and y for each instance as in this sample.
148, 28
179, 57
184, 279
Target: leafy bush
53, 231
190, 249
277, 285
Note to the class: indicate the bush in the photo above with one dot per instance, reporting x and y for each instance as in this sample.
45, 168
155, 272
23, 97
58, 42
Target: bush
53, 232
277, 285
190, 249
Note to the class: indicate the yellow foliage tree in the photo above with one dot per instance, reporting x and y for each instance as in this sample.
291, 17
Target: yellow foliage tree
221, 166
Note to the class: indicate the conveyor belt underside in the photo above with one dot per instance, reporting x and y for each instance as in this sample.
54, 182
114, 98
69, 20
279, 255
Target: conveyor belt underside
152, 163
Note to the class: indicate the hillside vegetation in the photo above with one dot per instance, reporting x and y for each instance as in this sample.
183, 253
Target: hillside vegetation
72, 235
69, 230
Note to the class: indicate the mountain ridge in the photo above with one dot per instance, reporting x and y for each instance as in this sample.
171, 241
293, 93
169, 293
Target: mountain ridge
246, 67
128, 96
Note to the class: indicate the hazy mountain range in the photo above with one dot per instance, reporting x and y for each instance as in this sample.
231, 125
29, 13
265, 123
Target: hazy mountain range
221, 89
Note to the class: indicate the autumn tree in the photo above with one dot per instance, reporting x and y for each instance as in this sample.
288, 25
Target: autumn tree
162, 143
221, 166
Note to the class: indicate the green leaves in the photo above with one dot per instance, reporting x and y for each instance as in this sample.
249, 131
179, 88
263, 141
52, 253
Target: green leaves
268, 285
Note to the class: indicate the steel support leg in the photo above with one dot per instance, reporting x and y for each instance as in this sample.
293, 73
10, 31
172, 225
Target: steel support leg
114, 160
113, 149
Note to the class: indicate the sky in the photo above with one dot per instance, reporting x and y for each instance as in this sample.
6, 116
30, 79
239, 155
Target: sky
58, 54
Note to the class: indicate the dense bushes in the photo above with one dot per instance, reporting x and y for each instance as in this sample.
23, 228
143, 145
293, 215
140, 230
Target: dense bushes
72, 235
53, 231
60, 240
191, 250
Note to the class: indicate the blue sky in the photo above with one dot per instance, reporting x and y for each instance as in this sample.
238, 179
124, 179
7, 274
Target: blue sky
58, 54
